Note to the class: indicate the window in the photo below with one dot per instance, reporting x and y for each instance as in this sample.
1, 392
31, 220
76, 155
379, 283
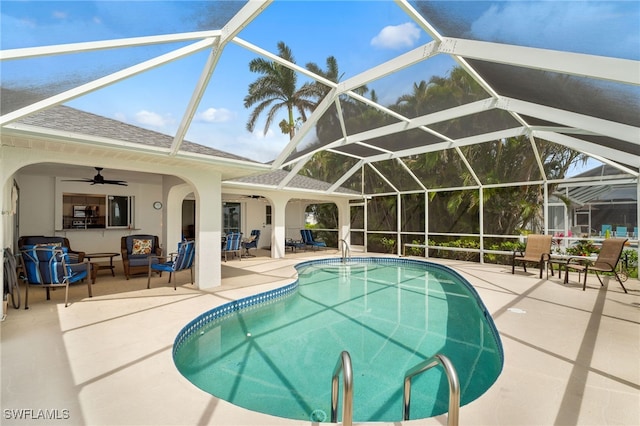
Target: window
231, 217
267, 216
120, 211
91, 211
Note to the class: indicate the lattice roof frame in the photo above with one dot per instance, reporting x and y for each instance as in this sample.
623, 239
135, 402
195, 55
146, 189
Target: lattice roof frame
571, 130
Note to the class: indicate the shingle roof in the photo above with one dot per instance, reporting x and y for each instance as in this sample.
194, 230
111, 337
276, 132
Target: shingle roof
299, 182
73, 120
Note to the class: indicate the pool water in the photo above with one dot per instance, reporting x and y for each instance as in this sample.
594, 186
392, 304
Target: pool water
278, 356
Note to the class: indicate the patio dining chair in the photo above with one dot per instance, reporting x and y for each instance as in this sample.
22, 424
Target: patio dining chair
48, 266
233, 245
607, 261
537, 250
174, 262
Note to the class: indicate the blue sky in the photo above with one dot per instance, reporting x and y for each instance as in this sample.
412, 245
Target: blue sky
360, 34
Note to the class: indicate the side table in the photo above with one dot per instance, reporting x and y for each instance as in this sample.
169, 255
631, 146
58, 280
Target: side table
95, 267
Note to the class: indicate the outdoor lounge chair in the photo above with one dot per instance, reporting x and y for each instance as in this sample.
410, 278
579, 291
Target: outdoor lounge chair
607, 261
307, 239
47, 266
252, 242
174, 262
621, 231
538, 250
233, 245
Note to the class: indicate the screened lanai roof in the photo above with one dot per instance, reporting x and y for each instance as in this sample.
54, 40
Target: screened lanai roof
567, 73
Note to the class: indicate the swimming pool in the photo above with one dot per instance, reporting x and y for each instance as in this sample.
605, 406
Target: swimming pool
275, 352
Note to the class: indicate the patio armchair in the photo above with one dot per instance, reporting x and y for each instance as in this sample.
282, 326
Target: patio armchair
48, 266
232, 245
136, 251
607, 261
538, 251
74, 256
307, 239
174, 262
252, 242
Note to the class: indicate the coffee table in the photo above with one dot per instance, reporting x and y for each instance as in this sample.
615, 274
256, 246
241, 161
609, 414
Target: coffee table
95, 267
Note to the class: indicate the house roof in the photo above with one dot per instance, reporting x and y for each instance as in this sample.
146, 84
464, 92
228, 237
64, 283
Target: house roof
578, 92
68, 119
275, 179
72, 120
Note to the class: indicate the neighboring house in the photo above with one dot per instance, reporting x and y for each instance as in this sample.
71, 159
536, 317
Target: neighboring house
604, 197
47, 155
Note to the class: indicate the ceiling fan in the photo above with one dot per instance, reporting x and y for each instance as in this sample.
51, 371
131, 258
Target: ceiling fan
100, 180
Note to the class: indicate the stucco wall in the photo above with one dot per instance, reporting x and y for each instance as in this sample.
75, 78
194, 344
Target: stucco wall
41, 211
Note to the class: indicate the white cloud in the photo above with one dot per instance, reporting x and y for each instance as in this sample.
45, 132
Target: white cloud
152, 119
260, 147
215, 115
120, 116
254, 146
397, 36
59, 14
585, 27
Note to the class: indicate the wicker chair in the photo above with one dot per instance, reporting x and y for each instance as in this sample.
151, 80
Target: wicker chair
136, 251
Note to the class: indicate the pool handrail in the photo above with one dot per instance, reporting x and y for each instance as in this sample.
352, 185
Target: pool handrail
454, 386
344, 364
346, 252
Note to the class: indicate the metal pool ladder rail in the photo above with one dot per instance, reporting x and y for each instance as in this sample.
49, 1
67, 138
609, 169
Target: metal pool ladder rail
344, 364
346, 252
454, 386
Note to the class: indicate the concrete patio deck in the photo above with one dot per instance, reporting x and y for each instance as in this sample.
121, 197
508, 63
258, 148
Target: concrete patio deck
571, 357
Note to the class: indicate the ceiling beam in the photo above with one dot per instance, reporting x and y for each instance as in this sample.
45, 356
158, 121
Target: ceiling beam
247, 14
578, 64
60, 49
595, 150
596, 125
106, 80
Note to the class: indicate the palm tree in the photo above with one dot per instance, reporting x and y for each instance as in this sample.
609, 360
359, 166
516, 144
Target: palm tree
416, 103
277, 89
328, 126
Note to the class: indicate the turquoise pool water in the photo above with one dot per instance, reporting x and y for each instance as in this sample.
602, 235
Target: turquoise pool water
275, 353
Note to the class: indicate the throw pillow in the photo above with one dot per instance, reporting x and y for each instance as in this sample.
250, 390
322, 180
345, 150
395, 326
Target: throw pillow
141, 246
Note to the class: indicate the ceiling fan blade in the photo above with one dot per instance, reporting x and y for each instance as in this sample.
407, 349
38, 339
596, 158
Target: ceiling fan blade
99, 180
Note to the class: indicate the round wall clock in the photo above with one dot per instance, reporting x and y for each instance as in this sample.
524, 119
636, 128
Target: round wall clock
157, 205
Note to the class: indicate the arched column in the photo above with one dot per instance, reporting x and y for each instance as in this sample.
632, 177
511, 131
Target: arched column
208, 193
344, 220
278, 216
173, 213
